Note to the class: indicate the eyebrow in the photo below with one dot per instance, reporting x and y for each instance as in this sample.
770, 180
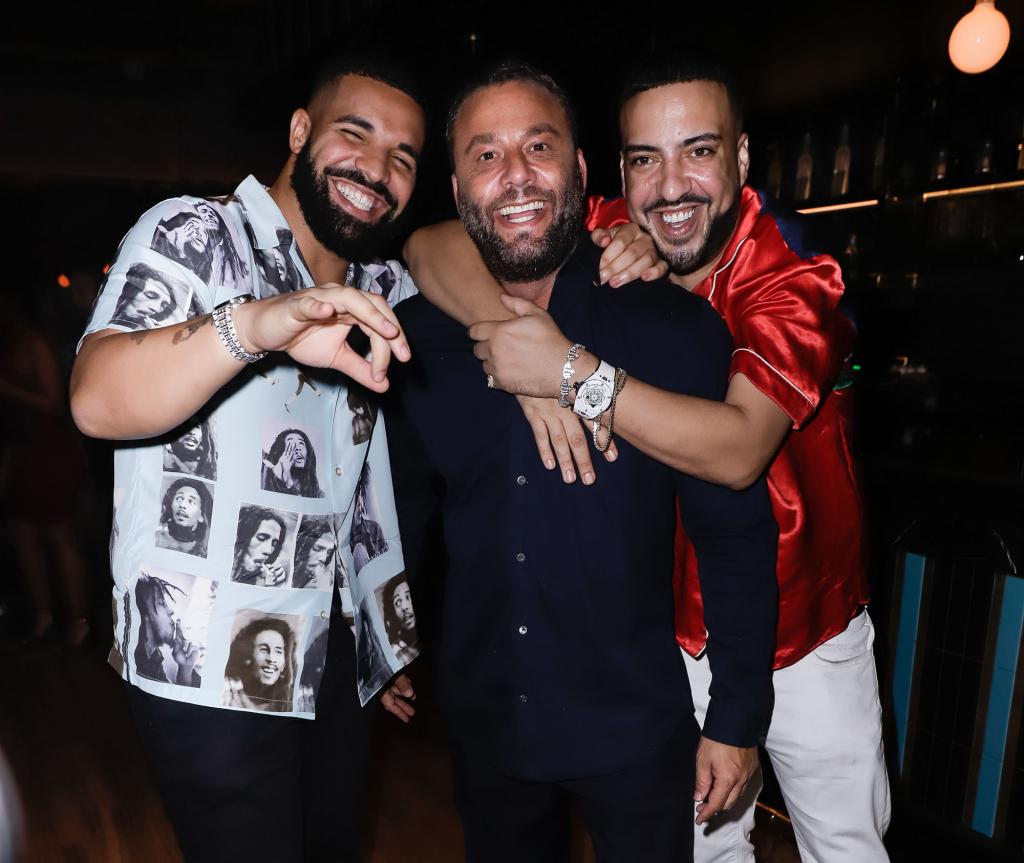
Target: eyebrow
686, 142
363, 123
533, 131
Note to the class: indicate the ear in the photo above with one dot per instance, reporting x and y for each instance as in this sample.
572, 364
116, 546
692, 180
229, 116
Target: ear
298, 131
583, 167
622, 172
743, 157
455, 189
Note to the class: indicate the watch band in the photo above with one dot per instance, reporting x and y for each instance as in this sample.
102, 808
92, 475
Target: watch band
567, 372
225, 326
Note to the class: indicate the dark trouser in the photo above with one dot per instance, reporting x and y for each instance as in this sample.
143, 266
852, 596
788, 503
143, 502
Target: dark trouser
251, 786
641, 813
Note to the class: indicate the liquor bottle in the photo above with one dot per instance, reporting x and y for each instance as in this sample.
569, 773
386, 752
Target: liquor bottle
773, 181
841, 164
804, 169
983, 166
1020, 152
878, 162
940, 164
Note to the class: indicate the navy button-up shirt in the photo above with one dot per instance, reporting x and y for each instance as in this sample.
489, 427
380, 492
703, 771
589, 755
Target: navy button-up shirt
558, 655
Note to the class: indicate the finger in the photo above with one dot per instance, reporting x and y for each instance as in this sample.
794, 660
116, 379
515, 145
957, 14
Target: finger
601, 237
310, 308
612, 452
580, 451
734, 794
713, 805
380, 355
482, 331
391, 705
657, 271
702, 781
367, 309
518, 306
562, 452
613, 251
482, 351
348, 362
540, 435
632, 272
404, 686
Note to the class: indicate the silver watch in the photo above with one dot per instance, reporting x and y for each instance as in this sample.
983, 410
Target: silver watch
225, 326
594, 395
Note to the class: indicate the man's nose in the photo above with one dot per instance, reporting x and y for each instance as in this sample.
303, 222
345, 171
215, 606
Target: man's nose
674, 182
374, 165
518, 171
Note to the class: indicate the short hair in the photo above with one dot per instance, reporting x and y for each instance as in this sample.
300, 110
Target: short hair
392, 624
508, 72
134, 281
382, 67
250, 519
239, 664
662, 70
205, 499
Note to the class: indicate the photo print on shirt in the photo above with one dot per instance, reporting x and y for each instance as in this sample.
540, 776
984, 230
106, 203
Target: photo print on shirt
313, 662
367, 539
289, 464
277, 271
372, 667
316, 547
395, 603
227, 267
263, 546
192, 449
364, 412
186, 507
150, 298
173, 616
185, 238
262, 661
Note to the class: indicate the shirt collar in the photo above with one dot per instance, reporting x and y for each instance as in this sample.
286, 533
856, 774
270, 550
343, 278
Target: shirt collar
750, 210
269, 226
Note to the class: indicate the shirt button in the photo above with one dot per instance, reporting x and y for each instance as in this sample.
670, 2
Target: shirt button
521, 557
522, 630
323, 615
523, 698
338, 471
520, 480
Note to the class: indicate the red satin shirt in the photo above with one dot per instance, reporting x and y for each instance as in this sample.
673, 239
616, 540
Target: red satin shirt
790, 339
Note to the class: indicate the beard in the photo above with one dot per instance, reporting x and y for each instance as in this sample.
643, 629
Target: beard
683, 261
523, 258
339, 232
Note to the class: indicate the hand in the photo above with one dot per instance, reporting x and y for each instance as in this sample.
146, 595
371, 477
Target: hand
273, 574
397, 697
723, 772
629, 254
560, 434
525, 355
312, 326
282, 469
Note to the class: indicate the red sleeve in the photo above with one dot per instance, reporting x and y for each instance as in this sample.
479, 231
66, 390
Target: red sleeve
606, 214
790, 337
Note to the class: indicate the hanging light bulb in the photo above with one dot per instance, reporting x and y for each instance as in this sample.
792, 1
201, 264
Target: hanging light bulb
980, 38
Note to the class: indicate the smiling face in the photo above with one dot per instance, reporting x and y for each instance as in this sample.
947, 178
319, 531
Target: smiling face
683, 164
518, 179
356, 155
268, 656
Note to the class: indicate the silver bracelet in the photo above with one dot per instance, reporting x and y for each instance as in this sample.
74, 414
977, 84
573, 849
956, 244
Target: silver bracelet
567, 372
225, 326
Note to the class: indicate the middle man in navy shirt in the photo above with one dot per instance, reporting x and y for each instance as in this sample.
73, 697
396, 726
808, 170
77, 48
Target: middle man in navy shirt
560, 674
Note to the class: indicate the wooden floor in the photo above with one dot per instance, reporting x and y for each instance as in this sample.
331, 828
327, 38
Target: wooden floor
88, 796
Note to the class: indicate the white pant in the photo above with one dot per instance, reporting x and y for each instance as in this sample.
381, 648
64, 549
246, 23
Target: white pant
825, 742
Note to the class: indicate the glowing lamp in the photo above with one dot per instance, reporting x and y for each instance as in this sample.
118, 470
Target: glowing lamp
63, 281
980, 38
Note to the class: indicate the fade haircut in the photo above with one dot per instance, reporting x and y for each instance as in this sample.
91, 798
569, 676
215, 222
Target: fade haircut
378, 67
662, 70
507, 72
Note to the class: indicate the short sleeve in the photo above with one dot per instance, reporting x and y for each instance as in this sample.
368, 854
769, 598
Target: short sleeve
790, 337
153, 281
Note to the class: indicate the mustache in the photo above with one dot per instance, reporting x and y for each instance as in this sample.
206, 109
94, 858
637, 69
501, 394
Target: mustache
688, 198
515, 196
359, 177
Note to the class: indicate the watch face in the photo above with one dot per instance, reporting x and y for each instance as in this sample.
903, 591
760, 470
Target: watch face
594, 395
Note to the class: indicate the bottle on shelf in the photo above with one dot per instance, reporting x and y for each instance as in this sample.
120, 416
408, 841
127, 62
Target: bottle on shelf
841, 164
1020, 152
940, 164
983, 167
804, 170
878, 161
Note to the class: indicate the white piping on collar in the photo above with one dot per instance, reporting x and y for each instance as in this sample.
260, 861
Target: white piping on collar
714, 278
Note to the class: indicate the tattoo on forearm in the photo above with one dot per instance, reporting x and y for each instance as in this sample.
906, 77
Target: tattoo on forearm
138, 337
194, 326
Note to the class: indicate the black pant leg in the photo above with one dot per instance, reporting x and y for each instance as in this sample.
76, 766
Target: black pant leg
644, 812
335, 749
506, 820
229, 780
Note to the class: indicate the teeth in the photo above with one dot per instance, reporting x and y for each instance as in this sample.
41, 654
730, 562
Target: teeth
676, 216
516, 209
355, 197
